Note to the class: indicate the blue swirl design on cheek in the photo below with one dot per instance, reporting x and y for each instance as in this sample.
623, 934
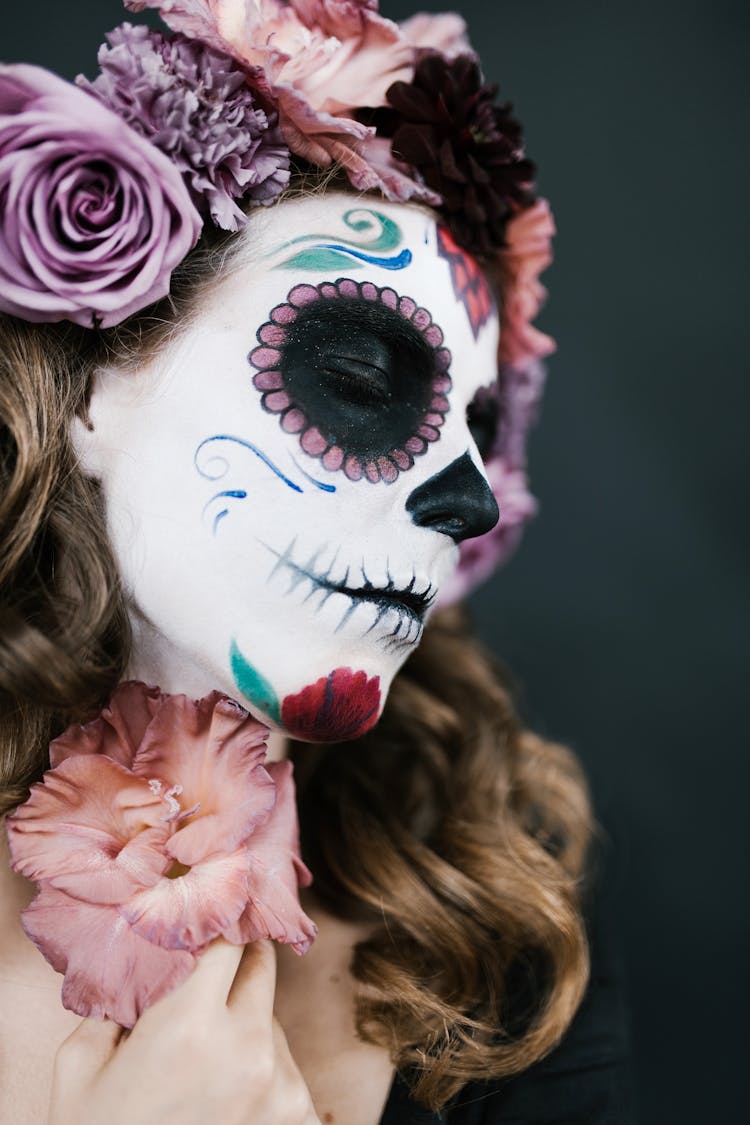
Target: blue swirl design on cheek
217, 466
234, 493
318, 483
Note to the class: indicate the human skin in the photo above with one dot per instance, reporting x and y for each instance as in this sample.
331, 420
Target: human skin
287, 482
203, 586
240, 1067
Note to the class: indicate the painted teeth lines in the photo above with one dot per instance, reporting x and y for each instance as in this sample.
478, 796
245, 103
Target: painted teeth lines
407, 604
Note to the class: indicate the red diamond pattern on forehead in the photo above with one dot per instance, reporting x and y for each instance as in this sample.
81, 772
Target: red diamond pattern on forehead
469, 283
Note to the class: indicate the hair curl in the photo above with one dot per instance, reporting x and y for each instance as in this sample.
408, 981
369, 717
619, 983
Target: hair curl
457, 833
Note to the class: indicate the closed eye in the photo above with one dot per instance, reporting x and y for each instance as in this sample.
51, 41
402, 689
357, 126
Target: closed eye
357, 380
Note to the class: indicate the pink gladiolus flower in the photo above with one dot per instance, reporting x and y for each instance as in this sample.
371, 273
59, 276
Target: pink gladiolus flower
527, 254
157, 829
321, 60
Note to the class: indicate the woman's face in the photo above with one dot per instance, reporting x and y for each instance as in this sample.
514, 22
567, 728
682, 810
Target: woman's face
286, 484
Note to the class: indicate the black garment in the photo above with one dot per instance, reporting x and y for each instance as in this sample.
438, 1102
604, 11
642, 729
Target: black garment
584, 1081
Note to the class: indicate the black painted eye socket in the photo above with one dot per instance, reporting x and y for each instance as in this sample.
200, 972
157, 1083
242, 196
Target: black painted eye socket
359, 380
358, 372
483, 420
362, 375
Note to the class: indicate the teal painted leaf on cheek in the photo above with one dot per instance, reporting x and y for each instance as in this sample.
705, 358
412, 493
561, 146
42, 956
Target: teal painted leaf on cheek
255, 687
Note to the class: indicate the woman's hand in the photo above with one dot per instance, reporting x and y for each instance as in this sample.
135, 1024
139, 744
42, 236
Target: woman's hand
209, 1051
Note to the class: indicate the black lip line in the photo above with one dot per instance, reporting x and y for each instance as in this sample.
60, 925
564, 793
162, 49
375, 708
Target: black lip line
415, 605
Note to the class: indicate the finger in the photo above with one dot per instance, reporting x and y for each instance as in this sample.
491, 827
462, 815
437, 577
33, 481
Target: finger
211, 979
254, 987
89, 1047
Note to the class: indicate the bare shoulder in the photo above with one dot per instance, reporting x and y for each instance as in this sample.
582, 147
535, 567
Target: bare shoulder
33, 1024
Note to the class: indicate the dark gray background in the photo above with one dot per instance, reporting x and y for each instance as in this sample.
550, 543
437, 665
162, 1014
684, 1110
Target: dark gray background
625, 613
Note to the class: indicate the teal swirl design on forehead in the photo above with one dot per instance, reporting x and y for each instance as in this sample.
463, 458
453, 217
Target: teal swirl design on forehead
323, 252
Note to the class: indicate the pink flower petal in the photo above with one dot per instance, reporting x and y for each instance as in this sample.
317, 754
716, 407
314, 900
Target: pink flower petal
445, 32
214, 749
527, 253
198, 18
360, 54
109, 970
92, 829
190, 910
117, 732
371, 166
276, 871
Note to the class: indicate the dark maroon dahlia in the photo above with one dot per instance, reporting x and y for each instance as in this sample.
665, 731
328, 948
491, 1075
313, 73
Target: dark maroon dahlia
446, 125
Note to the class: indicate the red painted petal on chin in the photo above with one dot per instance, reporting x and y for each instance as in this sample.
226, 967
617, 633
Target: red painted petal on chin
194, 908
342, 705
109, 970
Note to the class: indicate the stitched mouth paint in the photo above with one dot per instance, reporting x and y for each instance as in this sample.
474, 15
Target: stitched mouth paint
407, 605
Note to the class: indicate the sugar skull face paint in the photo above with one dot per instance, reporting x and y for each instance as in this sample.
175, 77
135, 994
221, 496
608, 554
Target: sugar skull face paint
359, 372
286, 483
469, 283
379, 243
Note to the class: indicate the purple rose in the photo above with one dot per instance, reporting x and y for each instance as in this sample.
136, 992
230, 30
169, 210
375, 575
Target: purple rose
93, 218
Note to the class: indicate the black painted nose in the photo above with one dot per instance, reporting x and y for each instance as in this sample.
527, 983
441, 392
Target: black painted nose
457, 501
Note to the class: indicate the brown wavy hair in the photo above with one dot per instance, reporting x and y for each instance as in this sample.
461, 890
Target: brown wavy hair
458, 834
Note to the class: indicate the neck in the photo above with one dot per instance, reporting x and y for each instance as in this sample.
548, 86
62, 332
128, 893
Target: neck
154, 661
20, 960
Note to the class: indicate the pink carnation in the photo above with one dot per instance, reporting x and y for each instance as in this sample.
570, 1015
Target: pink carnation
157, 829
527, 254
322, 61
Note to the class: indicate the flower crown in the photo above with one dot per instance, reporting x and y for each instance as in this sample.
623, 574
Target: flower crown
106, 185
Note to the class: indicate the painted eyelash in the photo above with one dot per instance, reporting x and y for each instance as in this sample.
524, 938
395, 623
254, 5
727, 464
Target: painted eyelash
294, 418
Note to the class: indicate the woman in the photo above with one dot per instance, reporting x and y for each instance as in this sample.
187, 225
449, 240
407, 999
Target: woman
245, 415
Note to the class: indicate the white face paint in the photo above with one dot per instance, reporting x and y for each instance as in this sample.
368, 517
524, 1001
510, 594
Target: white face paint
286, 482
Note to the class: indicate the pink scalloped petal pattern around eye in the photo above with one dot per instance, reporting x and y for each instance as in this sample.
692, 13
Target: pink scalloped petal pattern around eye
266, 358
